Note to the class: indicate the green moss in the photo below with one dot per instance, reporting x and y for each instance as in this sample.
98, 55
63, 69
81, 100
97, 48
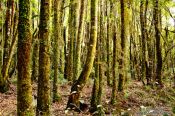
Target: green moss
24, 88
43, 99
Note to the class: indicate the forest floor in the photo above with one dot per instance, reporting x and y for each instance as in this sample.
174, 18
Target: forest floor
137, 100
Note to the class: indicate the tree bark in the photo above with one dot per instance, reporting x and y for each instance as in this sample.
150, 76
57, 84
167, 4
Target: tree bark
79, 39
123, 46
143, 39
57, 35
43, 99
72, 28
24, 88
158, 46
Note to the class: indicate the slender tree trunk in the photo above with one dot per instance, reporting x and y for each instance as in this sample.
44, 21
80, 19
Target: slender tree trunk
149, 63
79, 39
95, 88
71, 38
24, 98
108, 44
43, 99
78, 85
114, 71
35, 59
143, 39
158, 46
57, 35
56, 24
123, 46
65, 53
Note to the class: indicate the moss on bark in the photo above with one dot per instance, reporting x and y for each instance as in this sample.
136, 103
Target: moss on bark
123, 47
57, 35
114, 71
79, 40
24, 88
158, 46
95, 89
43, 99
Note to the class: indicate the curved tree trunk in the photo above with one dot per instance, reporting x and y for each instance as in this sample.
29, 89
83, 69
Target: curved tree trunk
78, 85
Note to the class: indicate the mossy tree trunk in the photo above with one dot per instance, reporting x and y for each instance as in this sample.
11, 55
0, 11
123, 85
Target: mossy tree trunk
78, 85
101, 59
95, 89
56, 8
65, 53
96, 106
100, 92
72, 28
114, 71
109, 25
57, 35
35, 59
24, 88
143, 39
149, 62
158, 46
79, 39
123, 47
43, 99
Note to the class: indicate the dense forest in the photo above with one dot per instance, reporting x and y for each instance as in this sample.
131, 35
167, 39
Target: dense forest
87, 57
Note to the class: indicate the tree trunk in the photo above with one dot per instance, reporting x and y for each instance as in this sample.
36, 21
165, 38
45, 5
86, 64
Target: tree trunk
143, 39
123, 39
43, 99
79, 40
114, 71
149, 62
24, 88
95, 88
35, 59
71, 38
158, 46
57, 35
108, 43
